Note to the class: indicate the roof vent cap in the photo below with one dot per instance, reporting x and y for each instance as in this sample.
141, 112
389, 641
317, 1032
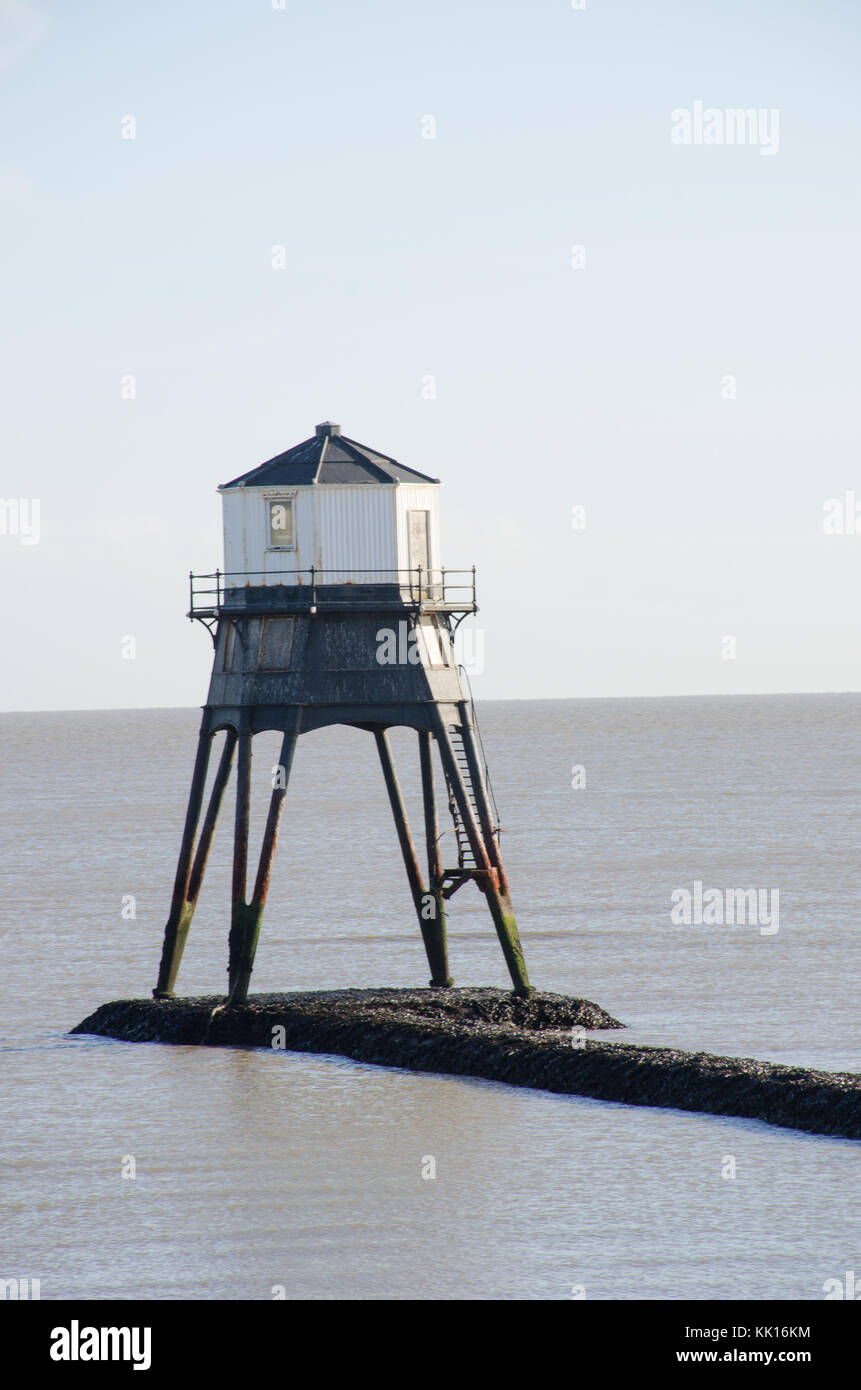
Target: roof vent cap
326, 429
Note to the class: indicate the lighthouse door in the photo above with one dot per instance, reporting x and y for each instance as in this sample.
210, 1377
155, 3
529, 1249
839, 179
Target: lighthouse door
419, 534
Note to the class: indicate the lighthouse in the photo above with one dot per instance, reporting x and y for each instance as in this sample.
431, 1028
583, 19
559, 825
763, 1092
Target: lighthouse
333, 608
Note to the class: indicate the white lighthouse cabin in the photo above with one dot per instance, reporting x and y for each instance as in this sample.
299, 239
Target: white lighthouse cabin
333, 507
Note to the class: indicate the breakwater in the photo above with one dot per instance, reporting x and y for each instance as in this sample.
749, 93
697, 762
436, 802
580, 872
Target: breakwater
539, 1042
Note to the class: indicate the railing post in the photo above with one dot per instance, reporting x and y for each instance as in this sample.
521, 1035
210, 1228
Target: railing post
190, 594
313, 589
218, 588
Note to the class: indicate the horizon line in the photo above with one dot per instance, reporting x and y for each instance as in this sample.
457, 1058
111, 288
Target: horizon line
486, 700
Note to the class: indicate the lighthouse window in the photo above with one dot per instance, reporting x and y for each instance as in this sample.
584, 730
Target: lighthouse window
281, 523
276, 643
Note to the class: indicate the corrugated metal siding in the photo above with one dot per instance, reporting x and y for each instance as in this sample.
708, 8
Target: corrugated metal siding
235, 529
411, 496
246, 534
350, 530
356, 527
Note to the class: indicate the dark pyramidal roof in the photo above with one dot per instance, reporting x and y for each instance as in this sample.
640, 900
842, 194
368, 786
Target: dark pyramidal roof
329, 457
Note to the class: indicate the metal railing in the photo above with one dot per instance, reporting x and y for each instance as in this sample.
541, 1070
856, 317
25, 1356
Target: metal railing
317, 589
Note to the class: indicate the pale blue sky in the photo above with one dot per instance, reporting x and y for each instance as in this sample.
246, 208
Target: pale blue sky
301, 127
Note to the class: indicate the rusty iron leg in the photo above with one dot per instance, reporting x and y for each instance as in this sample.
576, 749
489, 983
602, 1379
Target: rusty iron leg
421, 898
247, 916
182, 905
239, 907
204, 845
167, 979
439, 962
498, 900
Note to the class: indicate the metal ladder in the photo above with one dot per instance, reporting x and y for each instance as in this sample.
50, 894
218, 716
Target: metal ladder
465, 856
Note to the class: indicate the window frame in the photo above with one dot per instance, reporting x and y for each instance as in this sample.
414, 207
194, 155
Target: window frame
276, 499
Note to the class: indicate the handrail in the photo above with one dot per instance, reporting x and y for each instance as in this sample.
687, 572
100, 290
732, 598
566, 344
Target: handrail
433, 588
475, 724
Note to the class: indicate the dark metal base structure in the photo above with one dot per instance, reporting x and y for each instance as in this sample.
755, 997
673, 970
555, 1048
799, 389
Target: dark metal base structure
298, 671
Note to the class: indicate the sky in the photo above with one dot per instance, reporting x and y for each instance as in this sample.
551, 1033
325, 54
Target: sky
466, 233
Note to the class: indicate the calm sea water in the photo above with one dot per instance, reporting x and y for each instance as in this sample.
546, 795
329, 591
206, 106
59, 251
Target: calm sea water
257, 1169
